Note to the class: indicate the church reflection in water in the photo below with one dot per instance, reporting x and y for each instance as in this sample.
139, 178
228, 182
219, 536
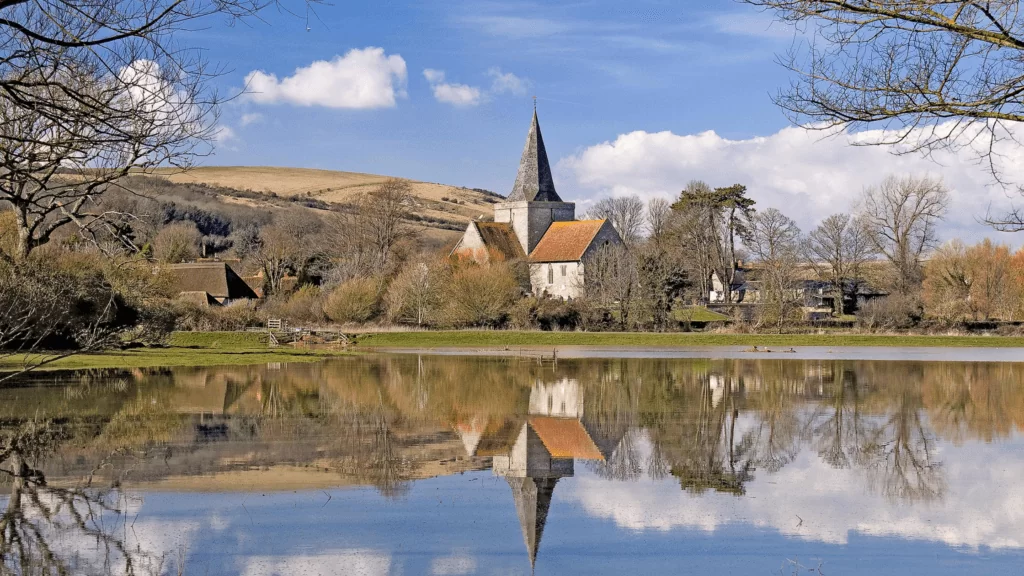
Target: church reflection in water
703, 432
533, 453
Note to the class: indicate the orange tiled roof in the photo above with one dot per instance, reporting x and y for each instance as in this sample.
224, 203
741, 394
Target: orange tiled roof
565, 438
500, 238
566, 241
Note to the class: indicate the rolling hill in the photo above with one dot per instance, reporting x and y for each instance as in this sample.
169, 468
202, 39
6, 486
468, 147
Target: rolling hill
441, 207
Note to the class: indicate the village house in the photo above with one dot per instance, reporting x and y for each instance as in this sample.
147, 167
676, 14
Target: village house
535, 225
208, 283
816, 296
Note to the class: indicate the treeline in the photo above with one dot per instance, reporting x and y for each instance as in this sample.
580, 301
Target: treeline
366, 262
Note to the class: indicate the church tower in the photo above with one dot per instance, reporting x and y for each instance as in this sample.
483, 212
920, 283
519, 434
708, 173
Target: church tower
533, 204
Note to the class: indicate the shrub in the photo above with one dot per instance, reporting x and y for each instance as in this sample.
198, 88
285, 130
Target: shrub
481, 295
554, 314
238, 315
894, 312
355, 301
414, 296
305, 305
523, 315
177, 242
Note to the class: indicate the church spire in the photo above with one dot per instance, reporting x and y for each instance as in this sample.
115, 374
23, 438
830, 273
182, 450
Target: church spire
534, 182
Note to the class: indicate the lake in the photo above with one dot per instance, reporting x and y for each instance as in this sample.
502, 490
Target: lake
462, 464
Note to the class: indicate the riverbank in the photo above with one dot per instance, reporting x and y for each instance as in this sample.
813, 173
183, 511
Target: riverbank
239, 348
184, 349
502, 338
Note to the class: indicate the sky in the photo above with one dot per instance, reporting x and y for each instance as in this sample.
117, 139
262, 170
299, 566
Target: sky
634, 97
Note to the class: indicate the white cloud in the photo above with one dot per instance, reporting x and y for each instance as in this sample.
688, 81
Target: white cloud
464, 95
361, 79
502, 82
801, 172
433, 76
224, 134
251, 118
454, 94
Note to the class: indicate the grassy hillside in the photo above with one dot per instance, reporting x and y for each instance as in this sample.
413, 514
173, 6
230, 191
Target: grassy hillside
448, 206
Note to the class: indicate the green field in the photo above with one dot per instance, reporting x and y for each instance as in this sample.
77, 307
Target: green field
698, 314
467, 338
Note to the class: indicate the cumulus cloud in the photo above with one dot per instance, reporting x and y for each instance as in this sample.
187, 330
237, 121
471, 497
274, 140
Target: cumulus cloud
224, 134
466, 95
454, 94
251, 118
361, 79
502, 82
801, 172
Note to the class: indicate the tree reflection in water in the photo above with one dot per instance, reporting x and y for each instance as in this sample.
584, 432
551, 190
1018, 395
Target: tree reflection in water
60, 530
387, 421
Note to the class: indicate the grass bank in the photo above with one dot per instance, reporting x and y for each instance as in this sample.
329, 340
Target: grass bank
470, 339
184, 349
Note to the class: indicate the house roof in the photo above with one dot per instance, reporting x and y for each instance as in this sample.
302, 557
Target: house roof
215, 278
533, 181
566, 241
199, 297
499, 237
565, 438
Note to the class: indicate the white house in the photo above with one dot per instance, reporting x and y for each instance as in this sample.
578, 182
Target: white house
534, 224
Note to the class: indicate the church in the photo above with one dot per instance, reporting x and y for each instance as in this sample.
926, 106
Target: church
535, 225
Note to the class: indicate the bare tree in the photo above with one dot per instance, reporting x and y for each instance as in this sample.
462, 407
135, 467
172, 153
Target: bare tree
626, 213
92, 92
659, 214
286, 245
775, 243
365, 236
415, 294
838, 249
937, 75
947, 282
612, 282
901, 217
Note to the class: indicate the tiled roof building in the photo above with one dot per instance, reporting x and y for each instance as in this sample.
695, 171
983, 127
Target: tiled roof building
536, 225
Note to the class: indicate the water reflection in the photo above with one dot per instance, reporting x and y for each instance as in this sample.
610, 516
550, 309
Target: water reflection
814, 450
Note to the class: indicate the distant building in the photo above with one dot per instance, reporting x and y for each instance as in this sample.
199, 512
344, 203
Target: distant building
209, 282
534, 224
816, 296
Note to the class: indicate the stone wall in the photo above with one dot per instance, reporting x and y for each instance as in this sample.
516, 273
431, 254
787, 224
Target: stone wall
567, 279
530, 220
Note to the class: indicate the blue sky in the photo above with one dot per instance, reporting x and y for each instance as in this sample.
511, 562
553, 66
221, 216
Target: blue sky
634, 97
598, 68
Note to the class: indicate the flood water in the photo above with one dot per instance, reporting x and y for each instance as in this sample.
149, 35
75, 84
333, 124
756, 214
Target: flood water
410, 464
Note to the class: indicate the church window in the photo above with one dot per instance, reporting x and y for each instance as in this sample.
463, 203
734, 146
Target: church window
551, 274
563, 270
